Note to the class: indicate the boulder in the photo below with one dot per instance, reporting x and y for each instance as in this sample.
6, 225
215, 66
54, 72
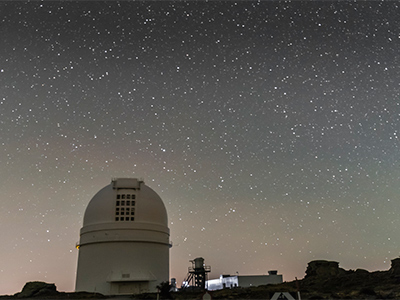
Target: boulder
37, 288
361, 272
395, 267
323, 269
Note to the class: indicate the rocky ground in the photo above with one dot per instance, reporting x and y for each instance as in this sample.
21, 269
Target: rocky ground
323, 280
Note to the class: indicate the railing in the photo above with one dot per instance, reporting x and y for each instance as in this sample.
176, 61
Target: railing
198, 270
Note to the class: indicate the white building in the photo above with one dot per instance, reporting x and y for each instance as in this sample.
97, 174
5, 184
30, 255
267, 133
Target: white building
228, 281
124, 242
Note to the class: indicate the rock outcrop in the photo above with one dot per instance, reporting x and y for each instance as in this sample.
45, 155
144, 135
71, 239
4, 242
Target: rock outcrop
42, 290
325, 280
323, 269
395, 267
37, 288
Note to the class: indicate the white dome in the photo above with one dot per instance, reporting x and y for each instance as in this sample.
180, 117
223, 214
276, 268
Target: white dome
124, 242
145, 206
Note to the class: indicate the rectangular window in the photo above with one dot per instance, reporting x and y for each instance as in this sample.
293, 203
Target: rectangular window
125, 209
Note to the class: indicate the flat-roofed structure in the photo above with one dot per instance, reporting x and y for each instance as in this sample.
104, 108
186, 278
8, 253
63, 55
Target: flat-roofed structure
232, 281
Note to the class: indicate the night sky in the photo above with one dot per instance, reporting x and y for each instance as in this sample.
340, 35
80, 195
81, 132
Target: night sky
269, 129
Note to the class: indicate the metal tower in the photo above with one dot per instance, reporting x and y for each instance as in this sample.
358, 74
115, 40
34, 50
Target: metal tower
197, 275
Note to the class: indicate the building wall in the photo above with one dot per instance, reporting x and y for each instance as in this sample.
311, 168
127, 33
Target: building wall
242, 281
221, 283
129, 288
122, 267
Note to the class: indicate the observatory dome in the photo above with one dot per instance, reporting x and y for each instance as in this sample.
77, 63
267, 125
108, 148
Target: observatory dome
124, 241
102, 207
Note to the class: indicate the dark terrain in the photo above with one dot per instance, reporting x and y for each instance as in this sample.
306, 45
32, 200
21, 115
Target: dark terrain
323, 280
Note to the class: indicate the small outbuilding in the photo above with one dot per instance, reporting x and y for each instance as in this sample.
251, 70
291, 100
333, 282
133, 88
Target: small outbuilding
229, 281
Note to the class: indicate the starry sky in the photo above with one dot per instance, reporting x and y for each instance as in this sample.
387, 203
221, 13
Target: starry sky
269, 129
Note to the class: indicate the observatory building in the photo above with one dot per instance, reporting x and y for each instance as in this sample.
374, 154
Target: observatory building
124, 242
232, 281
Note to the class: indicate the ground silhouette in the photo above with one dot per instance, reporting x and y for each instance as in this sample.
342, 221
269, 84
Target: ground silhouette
323, 280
